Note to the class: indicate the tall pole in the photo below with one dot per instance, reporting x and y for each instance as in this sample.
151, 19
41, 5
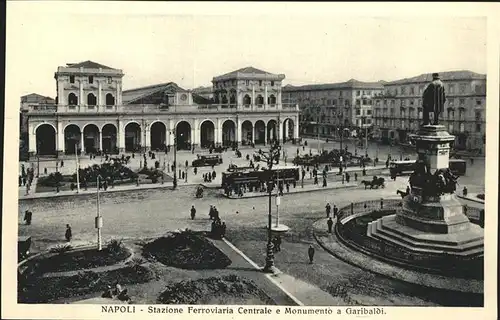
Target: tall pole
366, 138
175, 160
318, 133
77, 171
98, 220
277, 198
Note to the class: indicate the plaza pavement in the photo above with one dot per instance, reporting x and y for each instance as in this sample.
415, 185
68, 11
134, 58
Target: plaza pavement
149, 212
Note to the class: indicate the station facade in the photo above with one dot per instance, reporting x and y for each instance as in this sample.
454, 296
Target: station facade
92, 113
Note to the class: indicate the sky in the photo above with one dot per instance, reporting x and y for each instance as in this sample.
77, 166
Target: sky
155, 46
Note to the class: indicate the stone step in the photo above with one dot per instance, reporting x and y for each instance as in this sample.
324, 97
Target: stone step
428, 244
387, 223
469, 252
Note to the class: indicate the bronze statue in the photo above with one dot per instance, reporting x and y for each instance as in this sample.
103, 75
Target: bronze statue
433, 99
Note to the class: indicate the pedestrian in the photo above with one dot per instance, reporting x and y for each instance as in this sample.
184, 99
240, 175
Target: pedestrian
27, 217
316, 180
328, 209
195, 170
364, 173
310, 253
324, 183
278, 244
347, 177
471, 161
24, 181
214, 174
335, 211
186, 163
465, 191
193, 212
223, 229
355, 176
287, 187
20, 180
330, 224
68, 235
62, 163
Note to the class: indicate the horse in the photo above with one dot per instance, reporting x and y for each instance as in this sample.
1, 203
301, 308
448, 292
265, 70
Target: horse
367, 183
402, 193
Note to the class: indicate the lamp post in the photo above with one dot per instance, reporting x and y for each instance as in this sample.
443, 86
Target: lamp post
271, 156
38, 159
98, 219
146, 124
175, 158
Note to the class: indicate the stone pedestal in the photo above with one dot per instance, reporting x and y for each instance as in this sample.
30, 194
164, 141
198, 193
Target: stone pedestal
428, 224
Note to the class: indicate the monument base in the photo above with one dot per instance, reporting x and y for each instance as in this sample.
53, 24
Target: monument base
435, 228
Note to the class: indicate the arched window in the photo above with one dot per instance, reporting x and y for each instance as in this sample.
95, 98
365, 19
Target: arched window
260, 100
247, 100
91, 99
72, 99
271, 99
110, 100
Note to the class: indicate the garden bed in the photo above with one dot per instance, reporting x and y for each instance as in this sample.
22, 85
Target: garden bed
226, 290
80, 259
44, 290
186, 250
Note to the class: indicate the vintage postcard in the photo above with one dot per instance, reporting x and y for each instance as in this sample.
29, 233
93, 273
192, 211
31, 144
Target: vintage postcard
250, 160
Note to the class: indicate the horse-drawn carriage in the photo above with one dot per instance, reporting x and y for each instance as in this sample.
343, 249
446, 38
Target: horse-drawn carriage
375, 182
199, 192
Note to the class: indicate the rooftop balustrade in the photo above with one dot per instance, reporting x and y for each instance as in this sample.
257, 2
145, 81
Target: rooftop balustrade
158, 108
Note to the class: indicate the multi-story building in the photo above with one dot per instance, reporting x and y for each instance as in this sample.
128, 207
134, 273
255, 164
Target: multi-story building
93, 113
398, 111
32, 99
329, 109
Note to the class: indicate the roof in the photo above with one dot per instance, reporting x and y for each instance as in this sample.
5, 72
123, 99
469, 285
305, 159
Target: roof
88, 65
351, 84
36, 98
136, 93
444, 76
249, 72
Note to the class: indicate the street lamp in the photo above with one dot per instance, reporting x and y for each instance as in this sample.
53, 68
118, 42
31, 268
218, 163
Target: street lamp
270, 156
175, 158
38, 159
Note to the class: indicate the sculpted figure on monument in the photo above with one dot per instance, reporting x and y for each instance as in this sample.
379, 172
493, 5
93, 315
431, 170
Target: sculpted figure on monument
433, 100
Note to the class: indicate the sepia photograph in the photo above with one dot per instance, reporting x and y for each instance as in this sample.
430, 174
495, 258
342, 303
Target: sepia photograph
249, 163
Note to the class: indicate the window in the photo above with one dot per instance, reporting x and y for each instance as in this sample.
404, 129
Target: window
368, 112
71, 79
358, 112
403, 90
462, 102
451, 88
412, 90
358, 102
334, 101
478, 102
462, 88
91, 79
110, 80
272, 83
358, 93
340, 94
462, 127
421, 89
247, 82
393, 103
260, 82
478, 127
451, 103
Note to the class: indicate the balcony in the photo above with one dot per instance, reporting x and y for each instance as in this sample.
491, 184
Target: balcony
153, 108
